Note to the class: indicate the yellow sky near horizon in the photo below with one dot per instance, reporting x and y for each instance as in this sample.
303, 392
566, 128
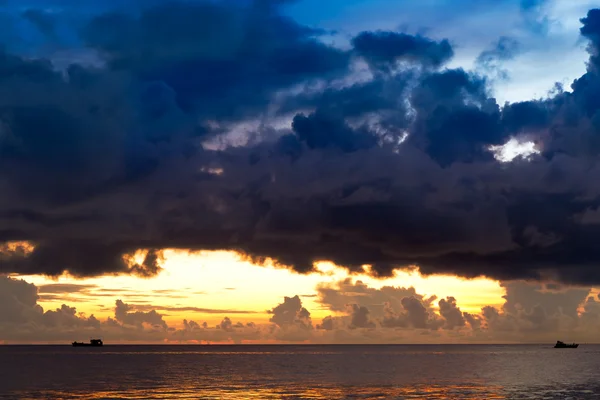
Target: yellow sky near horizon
207, 286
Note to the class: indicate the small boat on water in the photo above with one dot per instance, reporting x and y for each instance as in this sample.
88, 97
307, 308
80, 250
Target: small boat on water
93, 342
562, 345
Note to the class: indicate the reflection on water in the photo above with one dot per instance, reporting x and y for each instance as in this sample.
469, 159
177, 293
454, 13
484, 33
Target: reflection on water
432, 392
299, 372
228, 392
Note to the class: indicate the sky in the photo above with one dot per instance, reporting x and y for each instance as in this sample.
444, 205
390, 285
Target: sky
295, 171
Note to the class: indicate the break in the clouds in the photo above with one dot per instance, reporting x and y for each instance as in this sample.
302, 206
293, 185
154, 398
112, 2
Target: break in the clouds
228, 125
359, 314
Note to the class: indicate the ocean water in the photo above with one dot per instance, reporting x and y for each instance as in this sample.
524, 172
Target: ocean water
300, 372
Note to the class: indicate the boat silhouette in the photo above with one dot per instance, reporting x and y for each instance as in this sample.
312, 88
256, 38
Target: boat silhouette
562, 345
93, 343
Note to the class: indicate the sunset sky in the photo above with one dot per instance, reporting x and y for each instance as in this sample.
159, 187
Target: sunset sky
300, 171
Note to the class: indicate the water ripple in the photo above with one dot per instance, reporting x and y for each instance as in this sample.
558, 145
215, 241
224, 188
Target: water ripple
309, 372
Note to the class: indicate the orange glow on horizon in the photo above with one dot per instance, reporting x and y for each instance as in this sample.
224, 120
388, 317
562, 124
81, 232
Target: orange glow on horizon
199, 285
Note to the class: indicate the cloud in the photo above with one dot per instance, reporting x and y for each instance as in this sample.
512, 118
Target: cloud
101, 161
226, 325
534, 15
124, 313
65, 288
359, 317
322, 131
190, 325
139, 307
335, 297
19, 300
417, 314
291, 313
22, 319
384, 49
327, 324
591, 30
524, 297
491, 59
389, 307
590, 318
531, 313
451, 313
258, 52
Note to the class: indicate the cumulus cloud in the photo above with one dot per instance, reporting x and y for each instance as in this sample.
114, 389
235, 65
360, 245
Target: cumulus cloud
531, 312
327, 324
125, 315
22, 319
226, 325
359, 317
100, 161
451, 313
389, 307
19, 300
291, 313
360, 314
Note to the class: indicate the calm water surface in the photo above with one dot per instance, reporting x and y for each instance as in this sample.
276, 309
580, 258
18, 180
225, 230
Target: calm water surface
300, 372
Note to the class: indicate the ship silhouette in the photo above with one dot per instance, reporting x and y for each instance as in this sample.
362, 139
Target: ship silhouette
93, 342
562, 345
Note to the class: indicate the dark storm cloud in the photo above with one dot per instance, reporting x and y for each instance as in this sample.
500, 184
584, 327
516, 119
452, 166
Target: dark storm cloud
384, 49
321, 131
42, 21
98, 162
80, 258
591, 30
219, 59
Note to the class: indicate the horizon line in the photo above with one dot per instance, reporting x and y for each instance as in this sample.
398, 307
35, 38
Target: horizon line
299, 344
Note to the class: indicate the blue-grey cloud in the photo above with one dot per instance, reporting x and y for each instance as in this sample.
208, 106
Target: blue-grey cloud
491, 59
390, 169
384, 49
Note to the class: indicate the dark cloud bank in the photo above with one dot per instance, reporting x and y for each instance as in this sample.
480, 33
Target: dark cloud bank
133, 150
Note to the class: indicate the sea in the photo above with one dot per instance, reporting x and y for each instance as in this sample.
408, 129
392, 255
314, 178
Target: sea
300, 372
